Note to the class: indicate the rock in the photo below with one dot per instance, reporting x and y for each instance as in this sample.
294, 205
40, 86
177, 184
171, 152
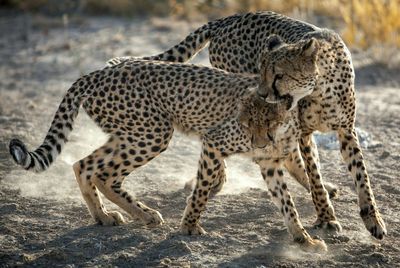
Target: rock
385, 154
329, 140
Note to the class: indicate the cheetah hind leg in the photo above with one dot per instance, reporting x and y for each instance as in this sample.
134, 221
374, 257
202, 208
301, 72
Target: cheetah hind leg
105, 170
110, 179
352, 155
92, 198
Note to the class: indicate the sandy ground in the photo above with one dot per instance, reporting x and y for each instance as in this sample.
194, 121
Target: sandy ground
44, 221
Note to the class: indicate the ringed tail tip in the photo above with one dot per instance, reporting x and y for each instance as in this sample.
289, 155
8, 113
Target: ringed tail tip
18, 151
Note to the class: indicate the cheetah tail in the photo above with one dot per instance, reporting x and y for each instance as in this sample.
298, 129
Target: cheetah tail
181, 52
185, 50
41, 158
189, 46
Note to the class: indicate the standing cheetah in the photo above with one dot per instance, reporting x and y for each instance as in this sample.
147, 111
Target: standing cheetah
236, 44
140, 103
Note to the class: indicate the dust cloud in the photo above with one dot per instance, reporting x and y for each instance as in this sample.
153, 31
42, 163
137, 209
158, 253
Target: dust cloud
171, 169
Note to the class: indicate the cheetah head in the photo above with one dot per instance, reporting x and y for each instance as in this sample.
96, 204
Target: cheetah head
288, 71
263, 120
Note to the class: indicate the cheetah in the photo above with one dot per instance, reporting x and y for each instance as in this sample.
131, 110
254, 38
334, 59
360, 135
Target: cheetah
140, 103
236, 44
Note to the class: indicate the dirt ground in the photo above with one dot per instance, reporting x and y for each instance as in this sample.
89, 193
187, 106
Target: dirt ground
43, 218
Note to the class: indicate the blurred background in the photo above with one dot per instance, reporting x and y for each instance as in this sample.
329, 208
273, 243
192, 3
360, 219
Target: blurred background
362, 23
45, 45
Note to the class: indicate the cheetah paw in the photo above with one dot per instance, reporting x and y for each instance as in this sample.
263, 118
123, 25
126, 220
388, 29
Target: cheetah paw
331, 225
315, 245
332, 190
192, 229
112, 218
373, 222
152, 218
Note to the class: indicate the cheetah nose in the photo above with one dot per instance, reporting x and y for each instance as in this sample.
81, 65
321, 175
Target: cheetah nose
263, 96
258, 142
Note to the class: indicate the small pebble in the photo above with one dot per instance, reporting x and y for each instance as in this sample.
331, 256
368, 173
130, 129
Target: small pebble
384, 155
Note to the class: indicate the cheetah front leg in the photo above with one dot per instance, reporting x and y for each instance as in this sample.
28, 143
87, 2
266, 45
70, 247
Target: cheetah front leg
272, 172
211, 162
295, 166
219, 181
352, 155
325, 212
217, 185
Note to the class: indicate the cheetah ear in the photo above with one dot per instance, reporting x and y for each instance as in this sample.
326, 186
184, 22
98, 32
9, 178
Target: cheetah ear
310, 48
273, 42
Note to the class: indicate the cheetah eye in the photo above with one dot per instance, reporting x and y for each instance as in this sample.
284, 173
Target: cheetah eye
278, 76
270, 137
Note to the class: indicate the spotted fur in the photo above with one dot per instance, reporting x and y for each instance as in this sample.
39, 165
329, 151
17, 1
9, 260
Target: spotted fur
140, 103
237, 43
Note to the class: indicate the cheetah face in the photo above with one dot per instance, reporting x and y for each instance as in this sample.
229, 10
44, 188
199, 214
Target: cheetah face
288, 72
263, 120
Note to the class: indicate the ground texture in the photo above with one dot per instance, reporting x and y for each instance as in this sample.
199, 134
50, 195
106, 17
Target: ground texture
43, 219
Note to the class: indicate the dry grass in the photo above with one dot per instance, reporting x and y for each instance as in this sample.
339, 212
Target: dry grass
372, 22
367, 23
128, 7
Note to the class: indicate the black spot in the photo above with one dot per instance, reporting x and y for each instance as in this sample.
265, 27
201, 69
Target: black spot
364, 212
181, 50
344, 145
155, 149
58, 146
270, 172
307, 149
142, 144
